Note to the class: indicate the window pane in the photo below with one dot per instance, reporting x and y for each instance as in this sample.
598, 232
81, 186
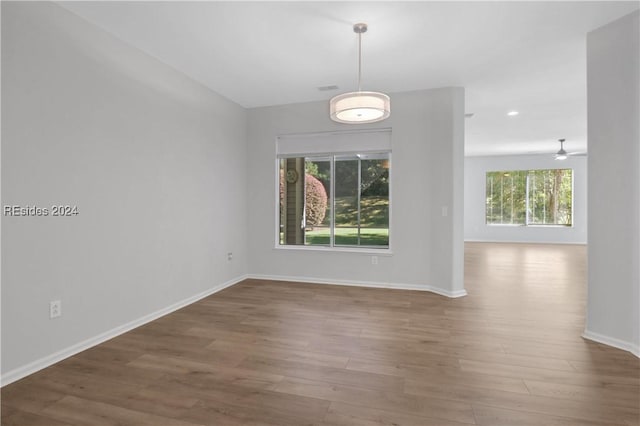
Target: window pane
550, 197
291, 201
362, 200
346, 201
374, 202
506, 197
317, 206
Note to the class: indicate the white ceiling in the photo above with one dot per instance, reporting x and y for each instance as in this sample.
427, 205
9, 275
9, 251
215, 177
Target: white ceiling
524, 56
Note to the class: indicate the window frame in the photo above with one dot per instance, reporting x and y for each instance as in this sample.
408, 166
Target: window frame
382, 251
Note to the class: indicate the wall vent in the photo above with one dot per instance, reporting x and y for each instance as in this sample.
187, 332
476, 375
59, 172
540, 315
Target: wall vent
327, 88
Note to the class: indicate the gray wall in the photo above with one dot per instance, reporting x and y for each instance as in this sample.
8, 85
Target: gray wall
614, 183
475, 227
155, 162
427, 174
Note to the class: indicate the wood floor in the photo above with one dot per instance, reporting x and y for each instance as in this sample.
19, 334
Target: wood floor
278, 353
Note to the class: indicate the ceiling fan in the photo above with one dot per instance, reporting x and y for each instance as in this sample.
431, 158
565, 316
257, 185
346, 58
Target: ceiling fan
563, 155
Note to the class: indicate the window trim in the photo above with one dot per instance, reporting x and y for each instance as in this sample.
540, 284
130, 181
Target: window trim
382, 251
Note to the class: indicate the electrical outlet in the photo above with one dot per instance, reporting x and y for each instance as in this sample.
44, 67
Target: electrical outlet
374, 260
55, 309
445, 211
229, 256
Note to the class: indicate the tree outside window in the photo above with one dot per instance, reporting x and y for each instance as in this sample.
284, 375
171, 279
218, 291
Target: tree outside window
529, 197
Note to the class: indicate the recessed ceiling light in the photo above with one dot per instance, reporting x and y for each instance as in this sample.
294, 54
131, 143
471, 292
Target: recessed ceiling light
512, 113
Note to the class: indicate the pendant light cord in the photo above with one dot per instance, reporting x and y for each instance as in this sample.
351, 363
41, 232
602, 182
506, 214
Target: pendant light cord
359, 62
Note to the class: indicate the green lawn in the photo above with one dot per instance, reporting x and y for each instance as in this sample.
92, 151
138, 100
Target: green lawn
374, 211
374, 222
349, 236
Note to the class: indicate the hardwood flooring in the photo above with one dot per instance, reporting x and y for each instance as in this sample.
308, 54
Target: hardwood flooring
279, 353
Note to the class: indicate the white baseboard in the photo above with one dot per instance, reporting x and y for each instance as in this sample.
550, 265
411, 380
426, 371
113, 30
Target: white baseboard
574, 243
611, 341
39, 364
437, 290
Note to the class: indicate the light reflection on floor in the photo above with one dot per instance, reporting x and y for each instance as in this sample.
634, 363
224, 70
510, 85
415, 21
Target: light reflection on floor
528, 277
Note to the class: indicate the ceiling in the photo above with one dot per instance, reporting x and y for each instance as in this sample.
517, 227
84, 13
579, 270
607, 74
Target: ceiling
523, 56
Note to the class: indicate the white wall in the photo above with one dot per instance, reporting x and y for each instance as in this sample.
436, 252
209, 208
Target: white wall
613, 94
475, 228
155, 162
427, 174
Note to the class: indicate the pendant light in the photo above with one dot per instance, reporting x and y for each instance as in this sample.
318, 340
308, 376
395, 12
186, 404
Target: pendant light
562, 154
360, 107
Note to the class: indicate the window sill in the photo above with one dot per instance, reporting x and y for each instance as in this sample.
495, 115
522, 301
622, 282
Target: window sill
367, 251
550, 226
532, 225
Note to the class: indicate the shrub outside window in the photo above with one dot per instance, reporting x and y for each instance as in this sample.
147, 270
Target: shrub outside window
334, 201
